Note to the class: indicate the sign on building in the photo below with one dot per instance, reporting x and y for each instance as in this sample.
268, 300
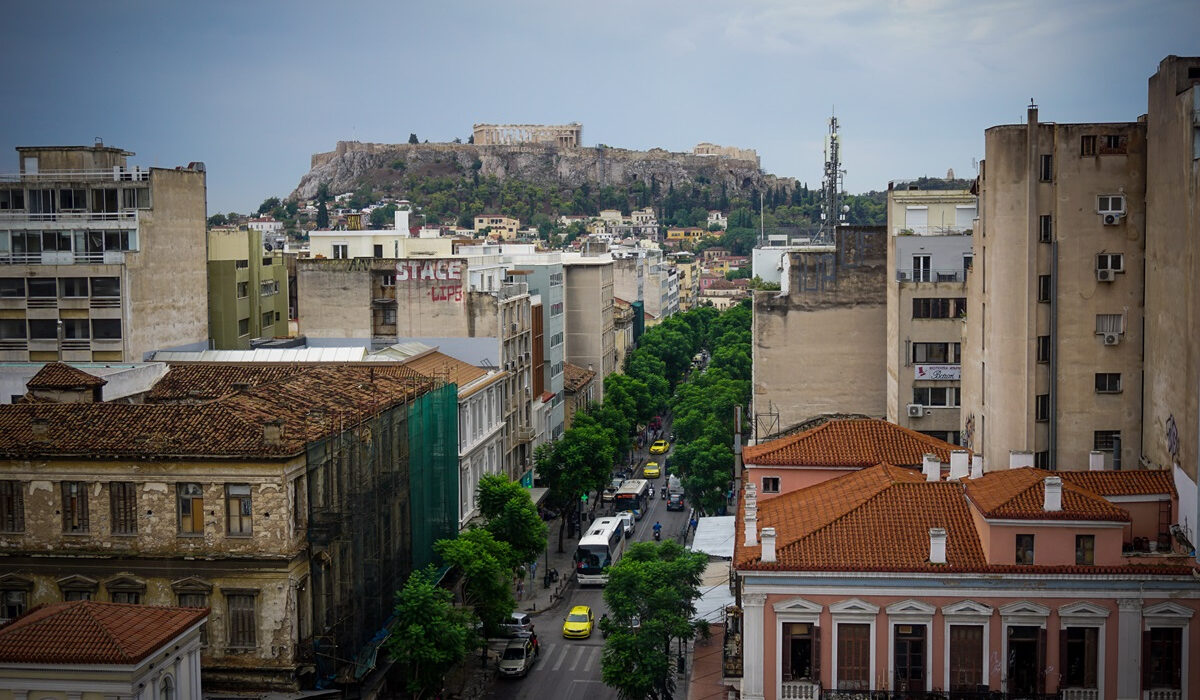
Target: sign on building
937, 372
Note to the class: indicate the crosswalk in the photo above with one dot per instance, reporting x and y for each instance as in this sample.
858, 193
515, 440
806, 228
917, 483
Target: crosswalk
577, 657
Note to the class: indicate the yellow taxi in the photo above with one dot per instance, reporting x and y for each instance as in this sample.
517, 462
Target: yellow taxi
578, 624
659, 447
651, 470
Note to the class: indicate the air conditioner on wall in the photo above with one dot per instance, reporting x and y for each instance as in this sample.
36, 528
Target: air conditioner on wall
1111, 218
916, 410
1112, 338
1105, 275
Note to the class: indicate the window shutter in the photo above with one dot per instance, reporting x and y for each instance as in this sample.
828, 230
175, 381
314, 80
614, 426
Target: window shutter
1041, 654
816, 654
1062, 657
1145, 660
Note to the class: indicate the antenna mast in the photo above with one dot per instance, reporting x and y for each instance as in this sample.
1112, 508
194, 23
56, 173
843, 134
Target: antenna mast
831, 186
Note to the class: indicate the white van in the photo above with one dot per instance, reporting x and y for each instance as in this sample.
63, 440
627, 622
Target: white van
627, 517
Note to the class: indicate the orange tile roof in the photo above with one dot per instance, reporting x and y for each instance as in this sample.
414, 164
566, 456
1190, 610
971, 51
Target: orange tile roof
59, 375
310, 401
1123, 483
576, 377
87, 632
203, 380
1020, 494
851, 442
442, 366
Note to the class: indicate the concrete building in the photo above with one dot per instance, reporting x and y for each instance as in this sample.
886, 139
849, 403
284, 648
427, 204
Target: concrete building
505, 227
589, 325
581, 389
929, 253
687, 275
641, 273
290, 500
1053, 355
623, 324
99, 260
1171, 395
819, 345
247, 289
543, 272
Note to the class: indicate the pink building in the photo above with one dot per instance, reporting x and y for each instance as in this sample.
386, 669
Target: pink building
1015, 584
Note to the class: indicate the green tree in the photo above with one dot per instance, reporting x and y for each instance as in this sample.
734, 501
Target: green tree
579, 462
483, 562
431, 634
412, 138
217, 220
512, 518
383, 215
322, 216
651, 594
269, 205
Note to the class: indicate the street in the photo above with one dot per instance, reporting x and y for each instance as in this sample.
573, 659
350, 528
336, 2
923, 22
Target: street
571, 668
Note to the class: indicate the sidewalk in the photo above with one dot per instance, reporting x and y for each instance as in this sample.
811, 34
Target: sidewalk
534, 596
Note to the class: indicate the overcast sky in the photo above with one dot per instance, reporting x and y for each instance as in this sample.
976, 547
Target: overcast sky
254, 88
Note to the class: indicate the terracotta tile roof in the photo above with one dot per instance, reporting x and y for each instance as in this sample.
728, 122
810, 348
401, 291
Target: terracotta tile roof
205, 381
311, 401
1020, 494
87, 632
1123, 483
452, 370
59, 375
576, 377
853, 442
878, 519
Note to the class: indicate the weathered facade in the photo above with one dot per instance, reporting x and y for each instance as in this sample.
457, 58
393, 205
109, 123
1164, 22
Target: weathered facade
819, 345
565, 136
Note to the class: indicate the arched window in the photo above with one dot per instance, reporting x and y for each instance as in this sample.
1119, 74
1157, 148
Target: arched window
166, 689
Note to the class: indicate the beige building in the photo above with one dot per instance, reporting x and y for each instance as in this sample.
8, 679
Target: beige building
819, 344
100, 260
929, 253
503, 226
591, 342
247, 289
1053, 348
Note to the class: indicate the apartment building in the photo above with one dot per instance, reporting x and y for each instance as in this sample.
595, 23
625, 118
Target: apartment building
543, 272
591, 342
505, 227
1053, 347
929, 253
100, 260
247, 289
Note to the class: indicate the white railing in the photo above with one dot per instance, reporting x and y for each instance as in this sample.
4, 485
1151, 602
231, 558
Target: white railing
69, 216
931, 230
109, 257
1080, 694
1164, 694
113, 174
800, 690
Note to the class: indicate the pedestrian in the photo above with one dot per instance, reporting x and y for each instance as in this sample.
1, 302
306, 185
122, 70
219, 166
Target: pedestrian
693, 524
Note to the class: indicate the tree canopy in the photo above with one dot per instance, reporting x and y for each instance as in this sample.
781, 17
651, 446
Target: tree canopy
430, 636
512, 518
485, 565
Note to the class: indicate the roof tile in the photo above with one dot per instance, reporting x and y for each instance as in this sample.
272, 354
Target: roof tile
59, 375
87, 632
852, 442
1020, 494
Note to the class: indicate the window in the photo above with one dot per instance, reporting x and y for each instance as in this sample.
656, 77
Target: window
853, 656
556, 340
1044, 290
1024, 549
106, 286
1085, 550
389, 316
166, 689
43, 288
770, 484
922, 268
378, 249
56, 241
1046, 167
1042, 407
1041, 459
1045, 229
120, 240
341, 251
936, 353
12, 287
195, 597
936, 395
1111, 261
12, 506
12, 199
1110, 323
243, 326
191, 509
13, 604
106, 328
1113, 144
1108, 382
70, 287
1043, 348
43, 328
1110, 204
135, 198
123, 504
243, 290
74, 506
1079, 647
132, 597
12, 329
77, 594
241, 264
1087, 145
268, 288
389, 279
41, 202
268, 319
238, 512
242, 620
1162, 658
801, 651
556, 309
1105, 440
931, 307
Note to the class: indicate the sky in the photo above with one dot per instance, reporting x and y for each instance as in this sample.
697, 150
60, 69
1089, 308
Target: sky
254, 88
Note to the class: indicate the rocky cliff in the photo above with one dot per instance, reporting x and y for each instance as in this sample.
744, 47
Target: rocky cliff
354, 163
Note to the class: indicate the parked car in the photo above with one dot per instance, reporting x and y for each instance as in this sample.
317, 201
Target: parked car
675, 501
659, 447
517, 623
578, 624
518, 657
629, 518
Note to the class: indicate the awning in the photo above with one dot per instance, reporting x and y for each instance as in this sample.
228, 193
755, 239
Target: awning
538, 494
714, 536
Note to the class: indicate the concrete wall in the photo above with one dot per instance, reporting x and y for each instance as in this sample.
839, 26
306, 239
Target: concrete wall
589, 323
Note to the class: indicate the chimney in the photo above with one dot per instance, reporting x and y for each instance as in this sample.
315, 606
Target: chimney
931, 467
39, 427
1095, 461
960, 463
976, 466
768, 545
751, 528
1053, 494
273, 432
937, 545
1019, 458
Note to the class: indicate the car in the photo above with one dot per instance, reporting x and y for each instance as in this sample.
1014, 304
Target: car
675, 501
608, 495
629, 517
659, 447
651, 470
578, 624
518, 657
517, 623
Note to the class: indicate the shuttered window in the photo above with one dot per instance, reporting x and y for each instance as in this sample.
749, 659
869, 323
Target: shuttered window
242, 620
191, 509
12, 506
966, 657
854, 657
74, 506
123, 501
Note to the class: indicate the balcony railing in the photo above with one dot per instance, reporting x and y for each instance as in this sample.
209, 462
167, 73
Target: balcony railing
932, 230
1079, 694
1164, 694
800, 690
9, 217
928, 275
830, 694
113, 174
64, 257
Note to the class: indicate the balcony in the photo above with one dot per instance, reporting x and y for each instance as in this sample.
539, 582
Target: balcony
523, 434
831, 694
800, 690
52, 257
933, 230
928, 275
68, 218
114, 174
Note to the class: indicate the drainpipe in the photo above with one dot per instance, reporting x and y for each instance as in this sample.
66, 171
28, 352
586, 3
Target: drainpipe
1052, 462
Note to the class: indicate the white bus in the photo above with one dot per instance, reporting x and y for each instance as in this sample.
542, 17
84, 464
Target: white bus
599, 548
632, 495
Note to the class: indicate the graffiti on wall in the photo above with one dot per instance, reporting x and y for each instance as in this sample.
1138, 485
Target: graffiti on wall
421, 272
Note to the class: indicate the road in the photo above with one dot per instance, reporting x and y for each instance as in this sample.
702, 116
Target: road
570, 668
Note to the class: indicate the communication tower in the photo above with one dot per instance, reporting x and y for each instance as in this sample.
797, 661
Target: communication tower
831, 186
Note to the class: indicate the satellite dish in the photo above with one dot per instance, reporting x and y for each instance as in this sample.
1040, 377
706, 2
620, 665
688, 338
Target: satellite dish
268, 247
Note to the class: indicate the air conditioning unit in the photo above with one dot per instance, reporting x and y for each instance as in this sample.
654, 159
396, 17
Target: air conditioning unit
1111, 218
916, 410
1105, 275
1112, 338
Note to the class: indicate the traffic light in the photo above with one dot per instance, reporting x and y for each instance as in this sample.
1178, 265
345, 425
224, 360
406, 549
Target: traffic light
583, 498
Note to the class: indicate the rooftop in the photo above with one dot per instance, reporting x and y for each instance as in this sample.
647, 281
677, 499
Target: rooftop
852, 442
1019, 494
576, 377
58, 375
87, 632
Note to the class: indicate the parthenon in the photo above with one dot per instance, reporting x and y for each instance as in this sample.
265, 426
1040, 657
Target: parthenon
567, 136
